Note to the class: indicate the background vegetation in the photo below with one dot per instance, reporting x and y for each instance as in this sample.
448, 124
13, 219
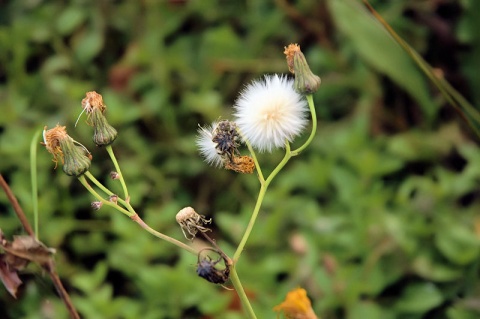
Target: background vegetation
377, 219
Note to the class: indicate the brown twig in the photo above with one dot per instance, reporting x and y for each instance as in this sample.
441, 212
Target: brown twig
49, 266
16, 206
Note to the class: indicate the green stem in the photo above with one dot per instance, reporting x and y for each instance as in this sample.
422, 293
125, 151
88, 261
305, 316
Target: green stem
101, 199
33, 172
258, 204
169, 239
117, 168
257, 165
241, 293
311, 105
109, 192
134, 216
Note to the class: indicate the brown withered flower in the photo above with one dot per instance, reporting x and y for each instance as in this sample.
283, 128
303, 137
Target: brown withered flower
74, 157
305, 81
104, 133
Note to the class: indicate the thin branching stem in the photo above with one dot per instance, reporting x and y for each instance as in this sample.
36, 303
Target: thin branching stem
117, 168
311, 105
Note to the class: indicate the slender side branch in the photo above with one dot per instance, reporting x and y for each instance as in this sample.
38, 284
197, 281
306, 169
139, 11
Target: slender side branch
33, 175
258, 204
311, 105
117, 168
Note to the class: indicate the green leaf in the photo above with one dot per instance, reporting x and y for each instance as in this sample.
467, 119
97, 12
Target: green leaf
419, 298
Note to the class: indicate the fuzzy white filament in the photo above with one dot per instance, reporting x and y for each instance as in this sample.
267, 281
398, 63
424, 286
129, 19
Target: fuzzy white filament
207, 147
270, 112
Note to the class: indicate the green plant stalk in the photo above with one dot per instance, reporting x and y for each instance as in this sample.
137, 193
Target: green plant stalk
84, 182
241, 293
169, 239
109, 192
134, 216
258, 204
33, 176
257, 165
311, 105
117, 168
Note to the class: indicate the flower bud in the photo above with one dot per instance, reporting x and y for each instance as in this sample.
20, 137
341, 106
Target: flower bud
67, 150
305, 81
114, 175
104, 133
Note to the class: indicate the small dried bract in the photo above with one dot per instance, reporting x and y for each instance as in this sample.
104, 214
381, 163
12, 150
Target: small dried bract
96, 205
207, 270
114, 175
191, 222
241, 164
113, 198
226, 136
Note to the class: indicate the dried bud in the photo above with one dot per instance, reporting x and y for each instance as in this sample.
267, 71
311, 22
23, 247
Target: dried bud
104, 133
114, 175
113, 198
96, 205
64, 148
305, 81
226, 138
207, 270
191, 222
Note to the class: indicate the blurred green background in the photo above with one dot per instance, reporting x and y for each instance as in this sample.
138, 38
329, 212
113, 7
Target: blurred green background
378, 218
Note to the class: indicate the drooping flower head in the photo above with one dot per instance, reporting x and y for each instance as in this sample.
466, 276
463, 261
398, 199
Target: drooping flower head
104, 133
72, 155
269, 112
296, 305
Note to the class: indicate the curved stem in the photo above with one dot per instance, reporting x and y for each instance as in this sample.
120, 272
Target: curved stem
134, 216
258, 204
155, 233
257, 165
311, 105
117, 168
241, 293
33, 175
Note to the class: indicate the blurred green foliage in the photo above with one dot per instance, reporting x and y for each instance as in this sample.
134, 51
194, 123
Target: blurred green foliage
377, 219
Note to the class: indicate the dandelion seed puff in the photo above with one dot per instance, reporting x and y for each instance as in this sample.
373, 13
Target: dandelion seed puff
269, 112
207, 147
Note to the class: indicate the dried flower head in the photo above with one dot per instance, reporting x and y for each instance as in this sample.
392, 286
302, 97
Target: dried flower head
191, 222
226, 136
305, 81
104, 133
241, 164
206, 268
65, 149
270, 112
92, 101
296, 305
